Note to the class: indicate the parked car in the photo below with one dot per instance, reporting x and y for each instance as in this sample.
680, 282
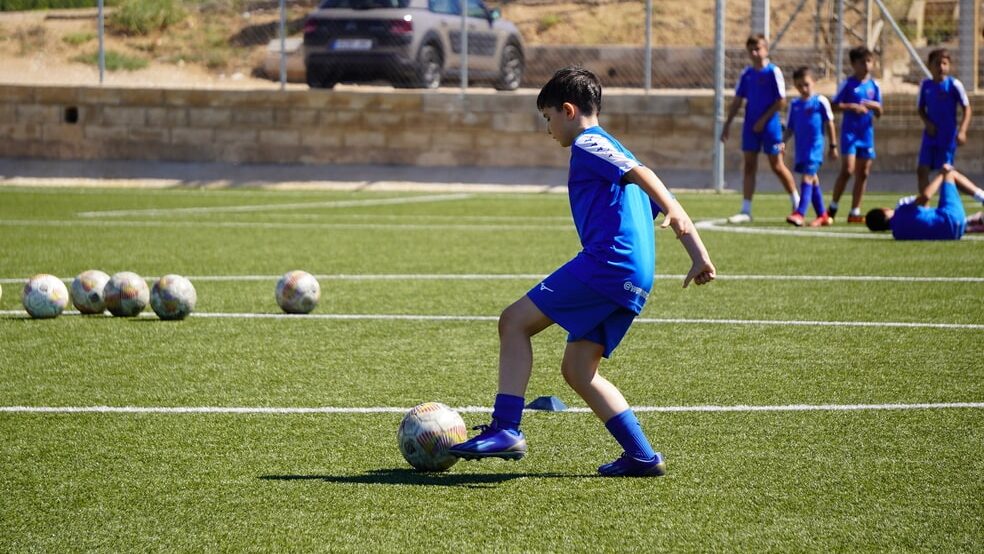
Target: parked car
410, 43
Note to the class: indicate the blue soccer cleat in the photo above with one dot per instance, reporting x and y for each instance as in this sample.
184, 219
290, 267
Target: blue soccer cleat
492, 442
627, 466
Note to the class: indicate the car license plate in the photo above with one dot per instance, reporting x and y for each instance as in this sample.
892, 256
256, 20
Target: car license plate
352, 44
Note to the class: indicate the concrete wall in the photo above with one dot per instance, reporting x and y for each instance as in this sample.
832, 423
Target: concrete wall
383, 126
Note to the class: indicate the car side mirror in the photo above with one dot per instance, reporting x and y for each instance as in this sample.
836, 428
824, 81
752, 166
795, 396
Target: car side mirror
494, 14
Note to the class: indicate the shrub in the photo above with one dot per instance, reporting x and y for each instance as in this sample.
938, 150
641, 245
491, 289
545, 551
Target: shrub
140, 17
115, 61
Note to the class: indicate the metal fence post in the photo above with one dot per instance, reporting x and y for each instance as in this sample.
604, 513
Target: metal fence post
717, 156
648, 54
283, 44
839, 44
760, 18
464, 47
102, 42
969, 37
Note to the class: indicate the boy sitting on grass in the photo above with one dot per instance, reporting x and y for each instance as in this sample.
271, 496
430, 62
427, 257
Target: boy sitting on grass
596, 295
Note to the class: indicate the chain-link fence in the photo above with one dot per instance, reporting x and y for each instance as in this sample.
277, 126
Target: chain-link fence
427, 43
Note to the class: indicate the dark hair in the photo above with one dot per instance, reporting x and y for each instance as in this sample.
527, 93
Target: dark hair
572, 84
877, 220
802, 71
753, 40
860, 53
939, 54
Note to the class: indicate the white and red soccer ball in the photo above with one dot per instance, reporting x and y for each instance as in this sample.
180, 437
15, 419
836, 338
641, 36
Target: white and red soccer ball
298, 292
44, 296
87, 292
427, 432
126, 294
173, 297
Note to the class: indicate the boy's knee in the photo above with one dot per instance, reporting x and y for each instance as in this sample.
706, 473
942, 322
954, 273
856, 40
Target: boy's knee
577, 380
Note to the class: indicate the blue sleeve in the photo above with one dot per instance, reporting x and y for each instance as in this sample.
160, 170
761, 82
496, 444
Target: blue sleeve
742, 88
921, 99
841, 92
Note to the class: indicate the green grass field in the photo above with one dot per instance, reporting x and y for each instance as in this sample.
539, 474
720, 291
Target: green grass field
861, 328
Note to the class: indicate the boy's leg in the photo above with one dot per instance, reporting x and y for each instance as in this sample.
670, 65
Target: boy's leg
785, 176
823, 218
967, 186
806, 192
749, 169
861, 173
847, 169
922, 174
580, 370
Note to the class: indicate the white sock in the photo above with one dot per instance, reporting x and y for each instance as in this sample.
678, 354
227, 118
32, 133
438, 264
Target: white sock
746, 206
794, 198
979, 196
855, 211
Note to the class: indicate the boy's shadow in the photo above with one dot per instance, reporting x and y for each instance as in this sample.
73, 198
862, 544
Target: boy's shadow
404, 476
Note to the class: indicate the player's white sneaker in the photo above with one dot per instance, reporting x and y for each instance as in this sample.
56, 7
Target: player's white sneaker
740, 218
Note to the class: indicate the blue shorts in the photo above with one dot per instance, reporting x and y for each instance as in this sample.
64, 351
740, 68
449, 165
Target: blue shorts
860, 150
581, 311
933, 155
808, 168
769, 141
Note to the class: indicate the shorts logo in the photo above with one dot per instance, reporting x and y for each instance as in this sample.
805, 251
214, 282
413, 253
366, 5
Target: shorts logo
545, 287
638, 291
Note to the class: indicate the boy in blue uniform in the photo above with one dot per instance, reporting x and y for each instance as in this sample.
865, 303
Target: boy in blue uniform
939, 98
808, 116
913, 219
596, 295
763, 86
860, 99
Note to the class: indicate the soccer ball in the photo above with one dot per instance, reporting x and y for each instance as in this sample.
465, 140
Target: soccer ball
426, 433
173, 297
87, 291
126, 294
44, 296
298, 292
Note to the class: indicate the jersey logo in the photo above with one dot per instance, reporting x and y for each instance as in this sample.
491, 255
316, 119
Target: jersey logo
544, 287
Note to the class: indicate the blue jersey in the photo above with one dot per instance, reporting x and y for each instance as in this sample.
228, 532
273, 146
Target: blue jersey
858, 129
940, 101
614, 221
761, 88
806, 120
947, 221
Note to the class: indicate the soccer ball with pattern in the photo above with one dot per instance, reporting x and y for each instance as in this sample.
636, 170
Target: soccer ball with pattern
126, 294
298, 292
87, 291
173, 297
44, 296
427, 432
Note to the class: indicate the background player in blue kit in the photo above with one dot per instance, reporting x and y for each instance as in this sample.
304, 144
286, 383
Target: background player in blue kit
860, 99
938, 101
596, 295
913, 219
809, 116
763, 86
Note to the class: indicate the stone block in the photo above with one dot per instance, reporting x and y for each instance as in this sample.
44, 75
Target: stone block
100, 96
37, 113
66, 96
322, 138
124, 116
253, 117
63, 133
190, 98
209, 117
382, 119
237, 136
408, 139
142, 97
517, 122
104, 133
16, 94
144, 135
191, 137
364, 139
280, 137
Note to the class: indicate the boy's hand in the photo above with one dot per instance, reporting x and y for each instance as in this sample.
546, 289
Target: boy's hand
834, 152
702, 272
724, 133
961, 138
759, 125
859, 109
931, 130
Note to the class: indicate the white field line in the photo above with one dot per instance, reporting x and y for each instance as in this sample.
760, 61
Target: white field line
724, 226
470, 409
537, 276
280, 206
278, 225
490, 318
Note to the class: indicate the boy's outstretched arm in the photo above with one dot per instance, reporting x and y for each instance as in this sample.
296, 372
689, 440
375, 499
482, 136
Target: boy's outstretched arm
701, 270
732, 112
964, 125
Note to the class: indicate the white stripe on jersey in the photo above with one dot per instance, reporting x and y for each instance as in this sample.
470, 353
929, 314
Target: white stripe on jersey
826, 107
780, 81
603, 148
963, 93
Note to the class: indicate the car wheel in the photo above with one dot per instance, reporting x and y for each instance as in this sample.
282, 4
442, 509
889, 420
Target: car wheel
510, 69
320, 79
429, 67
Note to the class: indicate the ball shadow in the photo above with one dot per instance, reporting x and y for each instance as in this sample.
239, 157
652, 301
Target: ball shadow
405, 476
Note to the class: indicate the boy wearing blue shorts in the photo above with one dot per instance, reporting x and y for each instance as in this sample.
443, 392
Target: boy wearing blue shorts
939, 98
763, 86
913, 219
596, 295
808, 116
860, 99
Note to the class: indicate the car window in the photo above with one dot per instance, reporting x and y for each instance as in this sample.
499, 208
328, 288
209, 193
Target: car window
476, 9
363, 4
444, 6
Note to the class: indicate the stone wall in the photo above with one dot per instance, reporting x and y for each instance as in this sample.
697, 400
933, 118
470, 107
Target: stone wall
383, 126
